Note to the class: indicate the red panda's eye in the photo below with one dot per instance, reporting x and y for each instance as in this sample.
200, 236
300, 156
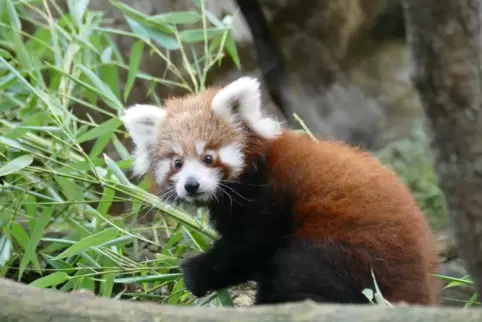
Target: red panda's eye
208, 159
177, 163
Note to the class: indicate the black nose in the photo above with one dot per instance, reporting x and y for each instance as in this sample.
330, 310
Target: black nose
191, 185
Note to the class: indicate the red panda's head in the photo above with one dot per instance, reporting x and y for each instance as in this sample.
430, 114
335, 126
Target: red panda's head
199, 140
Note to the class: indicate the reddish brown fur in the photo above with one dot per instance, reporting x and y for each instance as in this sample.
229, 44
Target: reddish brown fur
179, 128
341, 194
207, 126
345, 191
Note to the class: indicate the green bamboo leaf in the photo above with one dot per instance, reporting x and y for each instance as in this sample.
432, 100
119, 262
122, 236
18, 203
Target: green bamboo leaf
23, 240
106, 288
16, 165
5, 54
129, 11
176, 292
147, 33
51, 280
20, 235
110, 75
71, 190
37, 234
211, 17
225, 298
197, 239
14, 19
176, 17
454, 281
11, 143
105, 203
26, 59
7, 81
5, 250
108, 126
85, 283
232, 50
116, 171
39, 42
214, 20
149, 278
140, 18
99, 145
472, 300
197, 35
120, 149
77, 9
106, 55
89, 242
59, 265
134, 64
7, 104
117, 241
104, 90
30, 205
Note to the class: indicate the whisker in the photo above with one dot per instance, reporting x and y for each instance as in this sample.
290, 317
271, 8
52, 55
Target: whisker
227, 194
243, 183
166, 192
234, 191
223, 191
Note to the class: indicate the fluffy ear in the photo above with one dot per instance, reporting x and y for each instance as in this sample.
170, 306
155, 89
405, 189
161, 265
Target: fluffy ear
142, 123
243, 97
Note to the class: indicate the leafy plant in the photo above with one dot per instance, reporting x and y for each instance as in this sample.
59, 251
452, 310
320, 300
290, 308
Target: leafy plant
59, 118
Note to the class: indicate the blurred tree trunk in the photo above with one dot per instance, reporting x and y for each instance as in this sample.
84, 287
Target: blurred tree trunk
444, 38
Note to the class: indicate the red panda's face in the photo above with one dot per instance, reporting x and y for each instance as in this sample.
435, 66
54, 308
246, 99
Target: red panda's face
195, 151
197, 143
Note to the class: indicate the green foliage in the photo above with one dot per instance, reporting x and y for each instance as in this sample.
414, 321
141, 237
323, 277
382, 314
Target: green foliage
60, 103
412, 161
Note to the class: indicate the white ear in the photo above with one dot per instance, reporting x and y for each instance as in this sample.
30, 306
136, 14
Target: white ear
142, 123
245, 94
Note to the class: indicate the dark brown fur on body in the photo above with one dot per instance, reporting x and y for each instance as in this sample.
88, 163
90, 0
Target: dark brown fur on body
305, 219
344, 196
343, 203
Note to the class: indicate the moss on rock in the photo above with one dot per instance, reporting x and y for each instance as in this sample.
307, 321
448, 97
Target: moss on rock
411, 159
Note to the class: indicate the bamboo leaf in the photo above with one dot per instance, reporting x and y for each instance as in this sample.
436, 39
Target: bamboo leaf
89, 242
77, 9
116, 171
108, 126
176, 17
37, 234
134, 63
16, 165
149, 278
197, 35
51, 280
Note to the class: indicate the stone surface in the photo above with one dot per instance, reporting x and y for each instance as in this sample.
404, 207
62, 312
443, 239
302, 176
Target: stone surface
20, 302
243, 295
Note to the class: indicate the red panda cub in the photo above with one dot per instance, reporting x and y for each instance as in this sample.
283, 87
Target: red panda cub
304, 219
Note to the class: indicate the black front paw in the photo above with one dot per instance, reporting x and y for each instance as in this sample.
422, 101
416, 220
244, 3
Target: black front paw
194, 276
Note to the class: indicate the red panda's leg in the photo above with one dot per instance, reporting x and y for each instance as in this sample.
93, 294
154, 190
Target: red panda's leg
229, 262
307, 270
